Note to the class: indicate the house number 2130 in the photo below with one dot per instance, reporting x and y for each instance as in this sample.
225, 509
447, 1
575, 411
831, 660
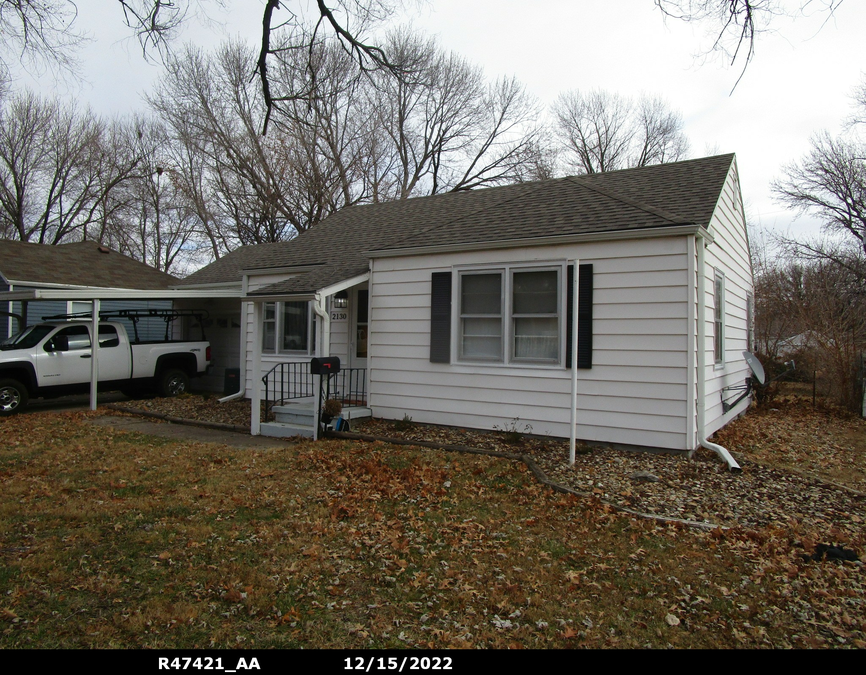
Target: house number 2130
339, 316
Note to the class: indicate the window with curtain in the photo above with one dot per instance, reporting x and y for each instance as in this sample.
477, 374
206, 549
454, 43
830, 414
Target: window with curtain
535, 315
518, 307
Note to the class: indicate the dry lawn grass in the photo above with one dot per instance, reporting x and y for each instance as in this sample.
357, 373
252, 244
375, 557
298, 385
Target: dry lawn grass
112, 539
791, 433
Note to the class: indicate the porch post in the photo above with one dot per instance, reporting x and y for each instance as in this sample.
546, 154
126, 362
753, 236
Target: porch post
94, 352
256, 375
572, 438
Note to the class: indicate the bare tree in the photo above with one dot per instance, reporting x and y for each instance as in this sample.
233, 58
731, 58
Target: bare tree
147, 217
448, 129
45, 32
246, 188
602, 131
38, 32
24, 131
58, 164
829, 182
734, 25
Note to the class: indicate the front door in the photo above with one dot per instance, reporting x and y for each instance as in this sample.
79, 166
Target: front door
360, 327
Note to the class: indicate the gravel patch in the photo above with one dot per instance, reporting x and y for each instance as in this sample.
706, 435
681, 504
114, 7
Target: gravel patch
673, 486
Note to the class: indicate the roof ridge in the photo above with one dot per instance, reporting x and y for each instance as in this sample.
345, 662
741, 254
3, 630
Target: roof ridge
661, 213
530, 185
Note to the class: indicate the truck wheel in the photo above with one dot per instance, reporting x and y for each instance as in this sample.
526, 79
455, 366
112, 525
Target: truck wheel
13, 397
173, 382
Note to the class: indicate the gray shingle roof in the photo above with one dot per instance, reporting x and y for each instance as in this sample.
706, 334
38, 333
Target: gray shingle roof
84, 263
658, 196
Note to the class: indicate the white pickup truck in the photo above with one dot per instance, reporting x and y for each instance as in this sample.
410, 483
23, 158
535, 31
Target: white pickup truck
54, 358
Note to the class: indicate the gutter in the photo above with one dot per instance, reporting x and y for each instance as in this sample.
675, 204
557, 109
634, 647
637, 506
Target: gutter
553, 240
723, 453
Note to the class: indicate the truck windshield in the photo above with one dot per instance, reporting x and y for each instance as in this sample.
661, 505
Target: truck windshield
27, 338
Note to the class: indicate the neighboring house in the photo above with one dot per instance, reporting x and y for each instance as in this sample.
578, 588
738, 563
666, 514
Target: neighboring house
456, 308
80, 265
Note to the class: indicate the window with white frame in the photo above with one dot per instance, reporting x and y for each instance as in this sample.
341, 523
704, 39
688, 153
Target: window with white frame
513, 315
719, 318
288, 328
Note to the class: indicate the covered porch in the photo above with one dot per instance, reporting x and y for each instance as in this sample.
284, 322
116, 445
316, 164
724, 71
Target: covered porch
286, 332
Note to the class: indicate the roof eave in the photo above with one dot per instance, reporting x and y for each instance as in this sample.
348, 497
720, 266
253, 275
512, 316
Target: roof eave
117, 294
555, 240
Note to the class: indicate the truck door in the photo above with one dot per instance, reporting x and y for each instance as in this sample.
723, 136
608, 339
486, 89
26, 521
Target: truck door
64, 358
114, 357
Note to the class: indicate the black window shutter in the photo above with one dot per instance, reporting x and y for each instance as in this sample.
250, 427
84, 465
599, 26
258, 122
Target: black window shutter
584, 316
440, 318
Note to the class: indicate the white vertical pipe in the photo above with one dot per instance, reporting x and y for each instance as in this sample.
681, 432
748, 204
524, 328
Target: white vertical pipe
691, 363
94, 352
702, 336
256, 393
572, 439
242, 347
702, 363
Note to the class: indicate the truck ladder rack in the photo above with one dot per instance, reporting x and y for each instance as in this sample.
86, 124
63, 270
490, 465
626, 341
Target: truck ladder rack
135, 315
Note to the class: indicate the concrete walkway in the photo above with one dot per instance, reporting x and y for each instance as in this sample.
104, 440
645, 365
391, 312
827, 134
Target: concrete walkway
183, 432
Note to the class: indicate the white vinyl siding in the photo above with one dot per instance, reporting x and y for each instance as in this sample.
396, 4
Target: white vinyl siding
635, 392
729, 254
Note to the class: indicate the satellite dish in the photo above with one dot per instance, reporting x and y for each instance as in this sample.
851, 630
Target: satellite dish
755, 365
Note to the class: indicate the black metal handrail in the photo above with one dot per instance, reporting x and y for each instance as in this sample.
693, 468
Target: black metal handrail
287, 381
349, 387
290, 381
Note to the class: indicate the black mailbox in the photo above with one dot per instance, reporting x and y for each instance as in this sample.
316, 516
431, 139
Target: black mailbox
325, 366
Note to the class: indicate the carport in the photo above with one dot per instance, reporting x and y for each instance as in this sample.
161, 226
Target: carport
96, 295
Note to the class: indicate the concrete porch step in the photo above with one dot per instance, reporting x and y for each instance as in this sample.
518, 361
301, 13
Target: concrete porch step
281, 430
297, 419
295, 413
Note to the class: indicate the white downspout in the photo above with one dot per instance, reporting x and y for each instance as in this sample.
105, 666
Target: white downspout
242, 376
572, 439
320, 308
256, 393
702, 362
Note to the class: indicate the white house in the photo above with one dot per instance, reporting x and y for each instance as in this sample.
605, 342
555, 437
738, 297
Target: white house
456, 309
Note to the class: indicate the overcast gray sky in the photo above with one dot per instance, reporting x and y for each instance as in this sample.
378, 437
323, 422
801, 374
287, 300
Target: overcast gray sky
799, 82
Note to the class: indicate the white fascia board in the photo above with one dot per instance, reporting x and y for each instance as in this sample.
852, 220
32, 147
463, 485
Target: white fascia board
344, 285
322, 293
557, 240
116, 294
45, 284
220, 284
282, 297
